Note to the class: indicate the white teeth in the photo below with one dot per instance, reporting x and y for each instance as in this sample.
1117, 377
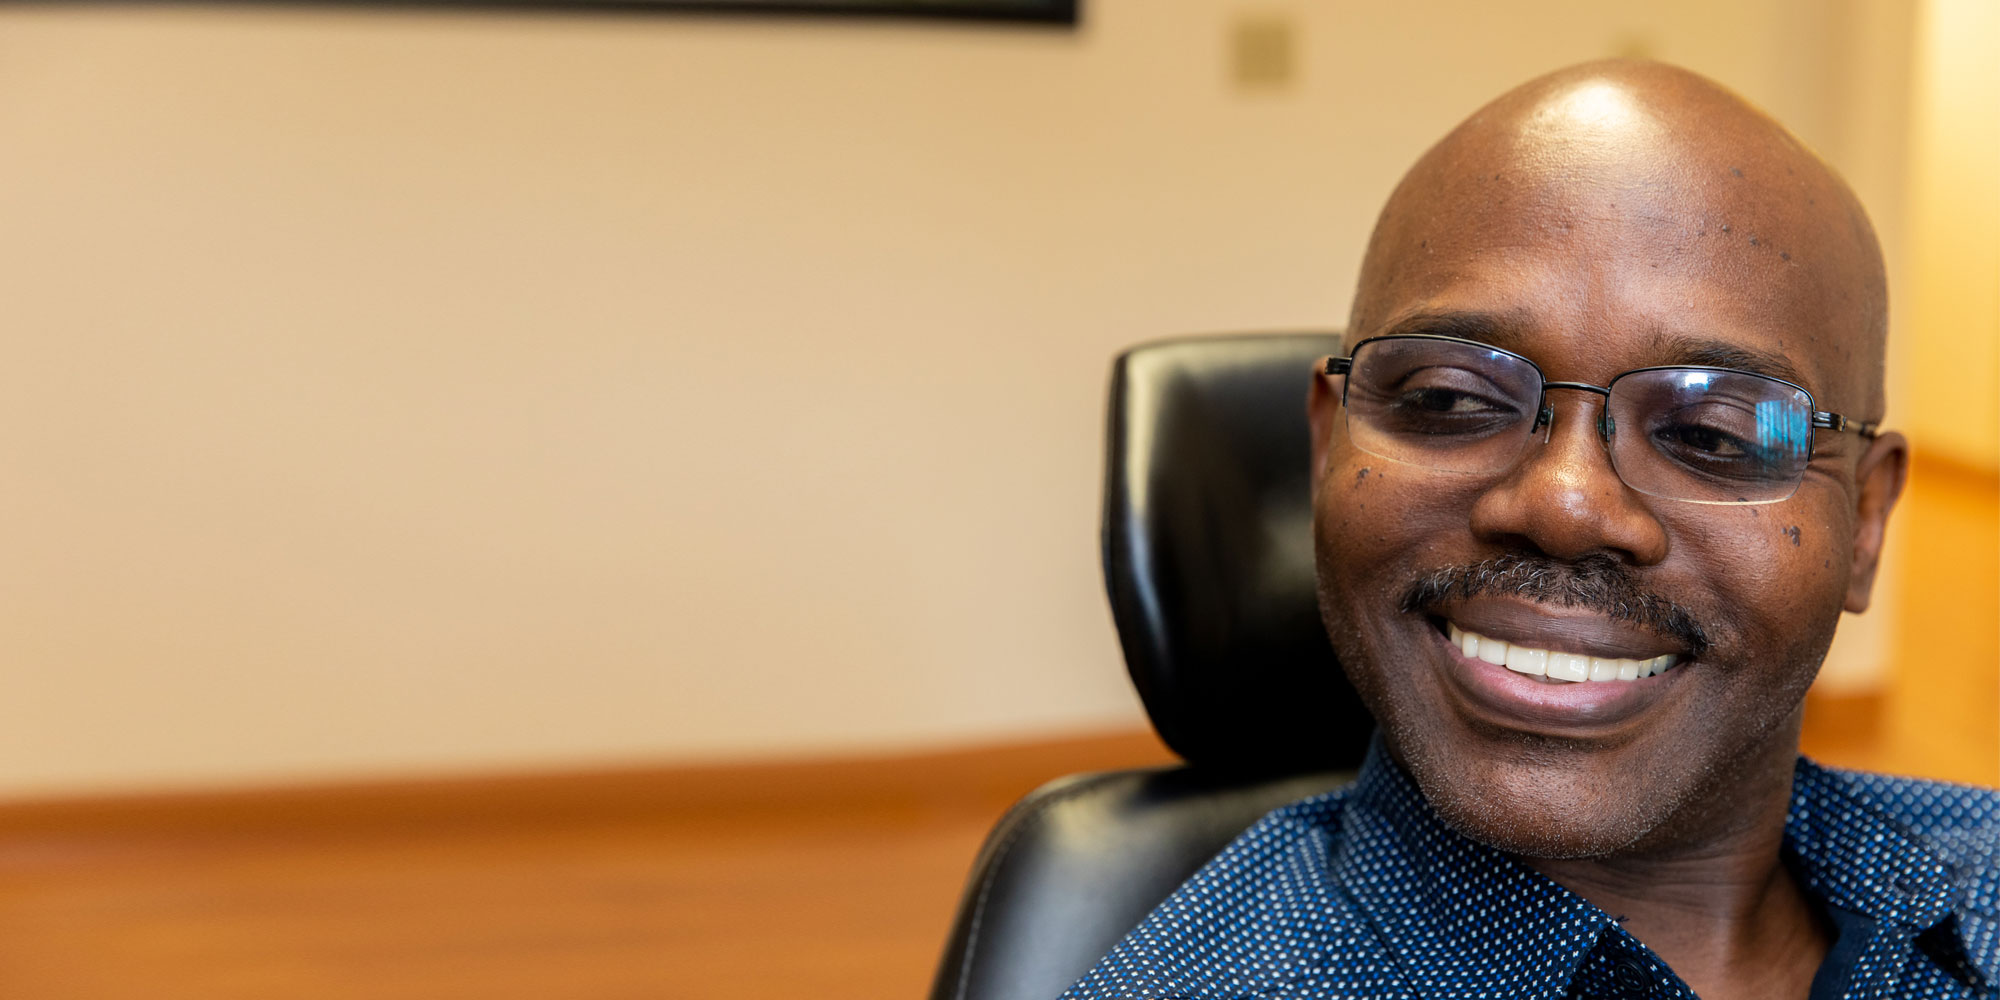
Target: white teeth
1467, 642
1527, 659
1552, 664
1569, 667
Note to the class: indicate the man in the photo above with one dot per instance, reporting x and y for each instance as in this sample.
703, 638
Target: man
1595, 477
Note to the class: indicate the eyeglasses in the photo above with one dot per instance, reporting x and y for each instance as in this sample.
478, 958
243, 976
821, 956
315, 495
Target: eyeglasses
1706, 435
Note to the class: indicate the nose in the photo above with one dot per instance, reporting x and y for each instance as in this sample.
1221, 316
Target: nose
1564, 499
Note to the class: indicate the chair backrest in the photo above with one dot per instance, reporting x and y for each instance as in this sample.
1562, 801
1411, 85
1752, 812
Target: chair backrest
1208, 564
1081, 860
1208, 555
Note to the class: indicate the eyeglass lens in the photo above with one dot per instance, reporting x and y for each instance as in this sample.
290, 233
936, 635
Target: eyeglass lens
1682, 433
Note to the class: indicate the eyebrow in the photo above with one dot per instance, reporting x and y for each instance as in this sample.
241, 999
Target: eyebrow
1705, 353
1509, 331
1513, 331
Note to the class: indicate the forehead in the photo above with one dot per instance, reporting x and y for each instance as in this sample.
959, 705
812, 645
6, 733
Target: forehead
1607, 244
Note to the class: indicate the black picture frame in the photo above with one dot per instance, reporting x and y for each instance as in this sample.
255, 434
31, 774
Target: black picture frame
1053, 12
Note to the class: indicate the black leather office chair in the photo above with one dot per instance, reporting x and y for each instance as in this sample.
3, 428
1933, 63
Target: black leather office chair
1208, 563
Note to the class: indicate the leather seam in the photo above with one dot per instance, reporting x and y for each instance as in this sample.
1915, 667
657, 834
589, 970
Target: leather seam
1000, 852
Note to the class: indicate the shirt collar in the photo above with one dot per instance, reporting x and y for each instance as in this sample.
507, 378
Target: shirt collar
1852, 854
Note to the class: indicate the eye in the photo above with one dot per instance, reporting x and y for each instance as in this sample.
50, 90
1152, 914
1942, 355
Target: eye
1707, 441
1719, 440
1440, 401
1435, 400
1434, 393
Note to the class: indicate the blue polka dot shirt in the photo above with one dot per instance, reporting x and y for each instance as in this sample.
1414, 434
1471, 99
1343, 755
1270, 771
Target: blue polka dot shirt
1364, 892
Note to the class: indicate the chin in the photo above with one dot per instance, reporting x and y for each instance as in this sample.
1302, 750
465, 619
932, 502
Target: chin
1544, 801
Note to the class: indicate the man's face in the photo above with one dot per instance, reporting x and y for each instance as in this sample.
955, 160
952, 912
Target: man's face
1591, 263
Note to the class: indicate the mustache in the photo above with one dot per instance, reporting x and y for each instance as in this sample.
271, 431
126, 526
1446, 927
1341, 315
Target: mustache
1598, 583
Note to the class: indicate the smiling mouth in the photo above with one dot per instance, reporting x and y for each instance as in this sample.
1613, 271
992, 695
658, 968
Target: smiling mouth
1555, 666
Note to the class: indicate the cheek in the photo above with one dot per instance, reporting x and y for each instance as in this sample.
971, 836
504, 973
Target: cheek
1343, 503
1349, 534
1367, 541
1776, 568
1366, 511
1379, 526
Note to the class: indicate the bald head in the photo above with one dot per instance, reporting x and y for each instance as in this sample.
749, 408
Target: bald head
1647, 181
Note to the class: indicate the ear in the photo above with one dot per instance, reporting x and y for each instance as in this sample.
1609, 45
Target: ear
1322, 410
1879, 481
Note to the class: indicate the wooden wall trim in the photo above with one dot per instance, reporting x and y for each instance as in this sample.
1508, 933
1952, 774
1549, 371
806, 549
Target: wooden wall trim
925, 780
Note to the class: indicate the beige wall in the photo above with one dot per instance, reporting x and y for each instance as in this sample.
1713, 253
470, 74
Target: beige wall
429, 392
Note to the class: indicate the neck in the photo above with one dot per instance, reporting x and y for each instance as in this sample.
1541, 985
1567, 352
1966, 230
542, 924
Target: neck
1709, 891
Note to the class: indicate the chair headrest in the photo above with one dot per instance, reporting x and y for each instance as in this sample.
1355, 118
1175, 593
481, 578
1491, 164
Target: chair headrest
1208, 555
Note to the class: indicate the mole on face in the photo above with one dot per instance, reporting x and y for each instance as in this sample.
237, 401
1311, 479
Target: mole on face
1359, 476
1793, 531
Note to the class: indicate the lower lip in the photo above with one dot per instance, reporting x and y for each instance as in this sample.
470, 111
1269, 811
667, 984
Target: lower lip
1526, 702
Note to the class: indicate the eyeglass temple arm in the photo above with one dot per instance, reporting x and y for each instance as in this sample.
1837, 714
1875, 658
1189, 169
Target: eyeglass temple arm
1339, 366
1836, 422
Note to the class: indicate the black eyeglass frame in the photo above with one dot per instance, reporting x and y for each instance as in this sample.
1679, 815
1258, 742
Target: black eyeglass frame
1545, 412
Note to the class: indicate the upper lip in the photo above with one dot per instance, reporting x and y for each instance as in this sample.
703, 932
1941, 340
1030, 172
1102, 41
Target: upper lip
1554, 627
